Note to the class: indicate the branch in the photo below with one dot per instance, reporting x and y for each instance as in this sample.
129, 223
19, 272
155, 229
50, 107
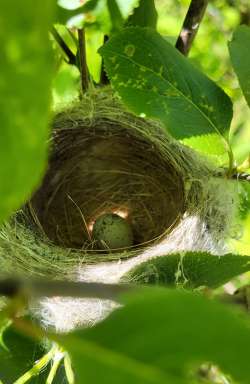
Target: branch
82, 59
64, 47
234, 175
241, 298
40, 288
104, 78
241, 176
191, 25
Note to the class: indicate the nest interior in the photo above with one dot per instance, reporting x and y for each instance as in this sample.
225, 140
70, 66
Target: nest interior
103, 165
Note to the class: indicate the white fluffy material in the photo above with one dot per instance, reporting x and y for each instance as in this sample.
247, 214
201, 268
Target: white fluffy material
65, 314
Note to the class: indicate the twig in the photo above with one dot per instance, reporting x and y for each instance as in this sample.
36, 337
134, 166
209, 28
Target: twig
64, 47
241, 297
40, 288
82, 59
234, 175
191, 25
104, 78
241, 176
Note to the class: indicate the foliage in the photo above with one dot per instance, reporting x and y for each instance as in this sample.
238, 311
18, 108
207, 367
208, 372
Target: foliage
191, 269
26, 62
239, 49
20, 355
158, 335
145, 15
155, 80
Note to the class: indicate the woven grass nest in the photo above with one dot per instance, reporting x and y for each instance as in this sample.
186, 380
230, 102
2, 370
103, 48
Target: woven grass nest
103, 159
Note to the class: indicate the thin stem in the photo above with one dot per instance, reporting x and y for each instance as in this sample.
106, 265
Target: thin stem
68, 369
82, 59
191, 25
231, 165
59, 355
64, 47
40, 288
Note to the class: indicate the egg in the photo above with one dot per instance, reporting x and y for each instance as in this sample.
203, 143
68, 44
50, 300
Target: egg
112, 231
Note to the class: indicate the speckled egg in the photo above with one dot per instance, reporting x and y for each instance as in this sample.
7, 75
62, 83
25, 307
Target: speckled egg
112, 231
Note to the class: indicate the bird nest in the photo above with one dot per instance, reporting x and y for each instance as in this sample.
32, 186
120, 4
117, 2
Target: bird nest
105, 160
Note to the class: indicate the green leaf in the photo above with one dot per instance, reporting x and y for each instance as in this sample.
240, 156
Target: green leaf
242, 245
115, 15
239, 49
244, 195
155, 338
119, 11
94, 363
145, 15
191, 269
26, 68
127, 7
155, 80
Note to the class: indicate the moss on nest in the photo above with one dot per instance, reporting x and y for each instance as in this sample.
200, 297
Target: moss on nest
104, 159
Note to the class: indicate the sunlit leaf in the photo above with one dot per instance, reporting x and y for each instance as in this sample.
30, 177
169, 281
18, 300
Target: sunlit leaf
239, 49
145, 15
115, 15
242, 243
191, 269
155, 80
